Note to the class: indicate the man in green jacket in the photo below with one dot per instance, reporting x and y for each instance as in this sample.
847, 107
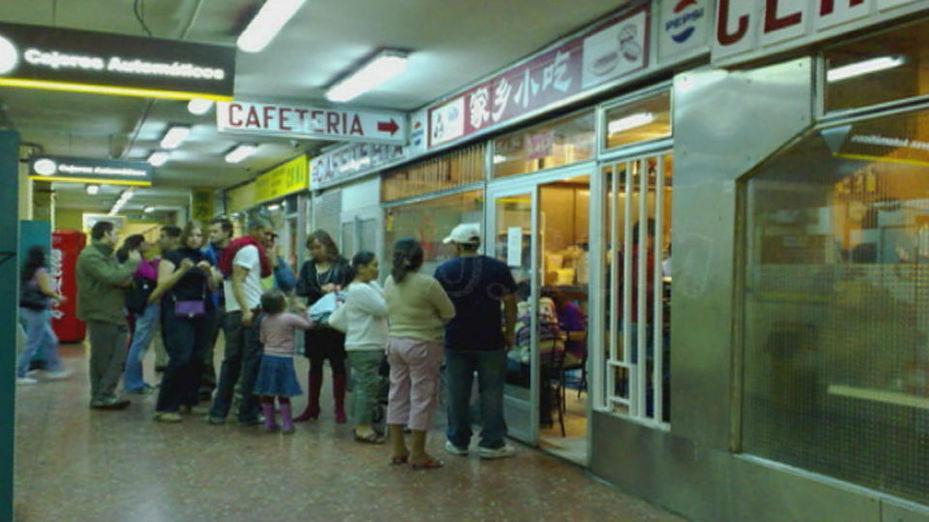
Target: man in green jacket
101, 285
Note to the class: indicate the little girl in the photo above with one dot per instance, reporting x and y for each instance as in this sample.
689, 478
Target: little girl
276, 375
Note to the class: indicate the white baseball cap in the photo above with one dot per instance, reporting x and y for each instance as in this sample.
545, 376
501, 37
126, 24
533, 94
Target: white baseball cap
465, 234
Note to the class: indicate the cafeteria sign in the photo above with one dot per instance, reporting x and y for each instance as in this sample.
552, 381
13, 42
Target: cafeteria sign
287, 178
35, 57
89, 170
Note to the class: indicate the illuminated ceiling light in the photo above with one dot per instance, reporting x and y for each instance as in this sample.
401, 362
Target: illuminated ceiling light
240, 153
373, 73
269, 21
121, 202
92, 190
174, 137
148, 209
499, 158
861, 68
9, 56
630, 122
199, 106
274, 207
45, 167
158, 158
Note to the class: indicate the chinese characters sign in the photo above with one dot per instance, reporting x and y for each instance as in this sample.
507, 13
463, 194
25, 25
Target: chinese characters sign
610, 51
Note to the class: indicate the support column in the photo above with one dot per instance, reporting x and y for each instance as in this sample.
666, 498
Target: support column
9, 261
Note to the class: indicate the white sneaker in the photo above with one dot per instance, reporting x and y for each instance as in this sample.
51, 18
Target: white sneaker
59, 374
33, 373
499, 453
455, 450
26, 380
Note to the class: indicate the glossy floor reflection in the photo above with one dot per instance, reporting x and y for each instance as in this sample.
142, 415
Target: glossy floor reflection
76, 464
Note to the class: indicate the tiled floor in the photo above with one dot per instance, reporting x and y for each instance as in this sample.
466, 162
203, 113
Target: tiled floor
76, 464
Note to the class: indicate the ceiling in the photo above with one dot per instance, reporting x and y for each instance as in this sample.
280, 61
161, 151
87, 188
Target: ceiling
453, 43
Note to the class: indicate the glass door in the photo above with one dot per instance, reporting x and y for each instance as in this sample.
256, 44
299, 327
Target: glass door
512, 237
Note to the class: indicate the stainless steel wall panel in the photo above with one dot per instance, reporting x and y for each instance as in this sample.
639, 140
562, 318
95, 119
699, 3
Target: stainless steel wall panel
725, 123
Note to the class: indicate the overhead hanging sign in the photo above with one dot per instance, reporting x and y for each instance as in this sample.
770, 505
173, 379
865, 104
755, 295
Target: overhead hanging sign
52, 58
289, 121
287, 178
611, 50
747, 29
90, 170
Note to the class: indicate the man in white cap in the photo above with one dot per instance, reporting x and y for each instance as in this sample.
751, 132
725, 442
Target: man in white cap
476, 340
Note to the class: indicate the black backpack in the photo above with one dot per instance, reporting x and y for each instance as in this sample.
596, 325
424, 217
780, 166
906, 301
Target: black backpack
137, 296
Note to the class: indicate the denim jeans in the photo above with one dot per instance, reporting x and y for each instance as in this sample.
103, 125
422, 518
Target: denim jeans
243, 355
146, 324
491, 374
185, 341
40, 339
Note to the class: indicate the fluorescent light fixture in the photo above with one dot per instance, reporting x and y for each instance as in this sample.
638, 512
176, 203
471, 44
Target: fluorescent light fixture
124, 198
9, 56
148, 209
174, 137
630, 122
92, 190
499, 158
373, 73
158, 158
199, 106
864, 67
45, 167
274, 207
269, 21
240, 153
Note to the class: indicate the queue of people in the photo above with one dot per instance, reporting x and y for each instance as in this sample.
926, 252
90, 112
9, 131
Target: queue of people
462, 318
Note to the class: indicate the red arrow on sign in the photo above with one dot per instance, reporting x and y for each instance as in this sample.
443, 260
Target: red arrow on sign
388, 126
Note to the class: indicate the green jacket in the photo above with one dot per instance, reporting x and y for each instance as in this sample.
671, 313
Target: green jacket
101, 284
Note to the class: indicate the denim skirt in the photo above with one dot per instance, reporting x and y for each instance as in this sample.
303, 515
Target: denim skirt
277, 377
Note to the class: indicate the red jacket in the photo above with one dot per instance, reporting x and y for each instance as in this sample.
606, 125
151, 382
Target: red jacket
225, 259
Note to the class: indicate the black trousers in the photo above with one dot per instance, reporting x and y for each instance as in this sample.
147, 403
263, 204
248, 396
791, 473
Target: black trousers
185, 341
322, 344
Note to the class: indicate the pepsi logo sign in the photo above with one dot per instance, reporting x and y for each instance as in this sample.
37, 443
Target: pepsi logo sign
683, 23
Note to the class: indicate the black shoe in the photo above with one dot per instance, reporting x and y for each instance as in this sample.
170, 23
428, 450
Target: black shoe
111, 405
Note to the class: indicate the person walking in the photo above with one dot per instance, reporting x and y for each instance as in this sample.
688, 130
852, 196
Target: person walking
243, 263
418, 309
364, 321
276, 374
101, 286
147, 314
221, 231
35, 297
325, 272
476, 341
185, 284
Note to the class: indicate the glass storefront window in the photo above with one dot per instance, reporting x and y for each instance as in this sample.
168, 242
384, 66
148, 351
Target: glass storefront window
836, 297
429, 222
446, 172
553, 144
639, 121
885, 67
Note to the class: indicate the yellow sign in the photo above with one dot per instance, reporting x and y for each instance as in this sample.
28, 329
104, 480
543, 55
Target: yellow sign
201, 205
240, 198
287, 178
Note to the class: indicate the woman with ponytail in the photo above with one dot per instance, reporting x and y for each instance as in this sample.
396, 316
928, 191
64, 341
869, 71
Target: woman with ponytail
418, 309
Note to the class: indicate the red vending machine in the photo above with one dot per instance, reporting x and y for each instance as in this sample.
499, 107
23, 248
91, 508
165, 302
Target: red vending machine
66, 245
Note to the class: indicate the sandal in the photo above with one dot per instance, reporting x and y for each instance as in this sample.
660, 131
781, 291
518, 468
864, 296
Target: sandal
429, 463
398, 461
371, 438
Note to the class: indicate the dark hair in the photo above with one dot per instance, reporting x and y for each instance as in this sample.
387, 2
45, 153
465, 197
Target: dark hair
273, 301
326, 241
131, 243
225, 224
258, 222
361, 259
188, 229
408, 258
100, 229
171, 230
35, 259
649, 229
469, 247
